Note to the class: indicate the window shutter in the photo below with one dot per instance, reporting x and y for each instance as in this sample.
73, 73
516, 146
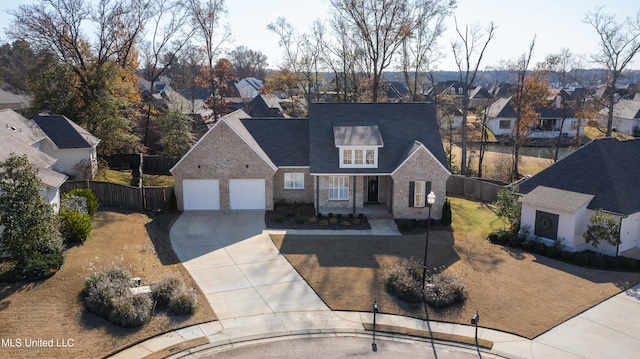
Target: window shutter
427, 188
412, 193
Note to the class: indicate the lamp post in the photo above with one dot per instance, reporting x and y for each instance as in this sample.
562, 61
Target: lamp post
474, 321
431, 199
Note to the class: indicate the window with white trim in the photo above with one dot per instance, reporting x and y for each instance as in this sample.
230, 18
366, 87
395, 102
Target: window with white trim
359, 157
294, 180
419, 194
338, 188
505, 124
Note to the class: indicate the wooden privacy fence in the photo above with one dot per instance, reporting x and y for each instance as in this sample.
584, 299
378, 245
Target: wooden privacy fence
473, 188
146, 198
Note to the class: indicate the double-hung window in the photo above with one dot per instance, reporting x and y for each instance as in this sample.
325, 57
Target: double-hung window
419, 195
338, 188
359, 157
294, 180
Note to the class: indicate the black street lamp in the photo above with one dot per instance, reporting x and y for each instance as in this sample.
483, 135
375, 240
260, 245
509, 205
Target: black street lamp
374, 347
474, 321
431, 199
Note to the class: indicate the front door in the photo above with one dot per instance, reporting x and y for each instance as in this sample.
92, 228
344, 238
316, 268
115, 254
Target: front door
372, 189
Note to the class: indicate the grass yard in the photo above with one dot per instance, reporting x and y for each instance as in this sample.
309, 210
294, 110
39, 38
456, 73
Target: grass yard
513, 291
53, 309
124, 178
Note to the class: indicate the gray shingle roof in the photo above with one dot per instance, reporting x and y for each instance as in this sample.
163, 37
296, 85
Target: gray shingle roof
605, 168
65, 133
557, 199
346, 134
23, 129
400, 125
286, 142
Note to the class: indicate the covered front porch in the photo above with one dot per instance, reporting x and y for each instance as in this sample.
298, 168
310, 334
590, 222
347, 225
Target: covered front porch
376, 210
370, 195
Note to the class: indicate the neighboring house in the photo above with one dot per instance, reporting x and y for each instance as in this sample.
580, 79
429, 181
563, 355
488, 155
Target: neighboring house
626, 117
13, 101
502, 117
72, 146
344, 156
560, 200
248, 87
21, 136
266, 106
395, 91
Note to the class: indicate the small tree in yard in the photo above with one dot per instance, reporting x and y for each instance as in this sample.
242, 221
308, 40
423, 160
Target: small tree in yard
603, 228
508, 208
30, 229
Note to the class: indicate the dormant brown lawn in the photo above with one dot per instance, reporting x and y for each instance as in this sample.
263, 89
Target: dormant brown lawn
52, 309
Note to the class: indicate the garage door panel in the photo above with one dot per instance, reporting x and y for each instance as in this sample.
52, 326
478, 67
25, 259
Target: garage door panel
201, 194
247, 193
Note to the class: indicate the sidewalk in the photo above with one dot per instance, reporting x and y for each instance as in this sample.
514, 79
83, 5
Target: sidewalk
257, 295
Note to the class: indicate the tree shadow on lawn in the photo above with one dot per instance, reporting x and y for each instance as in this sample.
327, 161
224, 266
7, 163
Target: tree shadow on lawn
361, 251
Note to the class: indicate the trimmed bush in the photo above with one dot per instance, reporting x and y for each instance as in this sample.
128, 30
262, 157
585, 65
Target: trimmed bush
528, 245
323, 223
333, 220
360, 215
35, 269
278, 219
445, 289
350, 215
567, 256
628, 263
356, 221
540, 248
515, 242
339, 215
403, 280
165, 290
493, 237
313, 220
552, 252
75, 226
299, 220
182, 304
92, 200
131, 312
74, 203
613, 263
102, 289
345, 224
446, 213
582, 259
330, 214
597, 262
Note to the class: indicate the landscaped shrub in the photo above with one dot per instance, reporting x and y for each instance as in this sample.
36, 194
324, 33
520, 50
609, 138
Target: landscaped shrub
92, 200
628, 263
501, 236
74, 203
182, 304
446, 214
613, 263
515, 241
330, 214
313, 220
38, 268
356, 221
323, 223
445, 289
278, 219
403, 280
345, 224
299, 220
350, 215
360, 215
582, 259
552, 252
528, 245
107, 294
540, 248
597, 262
567, 256
290, 214
333, 220
166, 289
339, 215
75, 226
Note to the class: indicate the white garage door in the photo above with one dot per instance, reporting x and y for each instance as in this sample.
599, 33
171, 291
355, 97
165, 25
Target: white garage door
199, 194
247, 193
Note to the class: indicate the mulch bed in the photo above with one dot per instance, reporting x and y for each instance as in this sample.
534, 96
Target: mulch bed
297, 215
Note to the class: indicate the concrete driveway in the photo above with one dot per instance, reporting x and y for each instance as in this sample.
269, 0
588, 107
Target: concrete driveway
249, 284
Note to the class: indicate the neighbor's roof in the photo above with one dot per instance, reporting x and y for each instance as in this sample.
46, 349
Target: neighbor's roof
65, 133
556, 199
399, 124
23, 129
606, 168
286, 142
348, 134
628, 109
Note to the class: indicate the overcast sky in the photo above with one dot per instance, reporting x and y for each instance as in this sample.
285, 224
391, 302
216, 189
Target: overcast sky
556, 23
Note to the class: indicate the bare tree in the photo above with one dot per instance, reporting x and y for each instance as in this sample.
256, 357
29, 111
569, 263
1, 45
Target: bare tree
248, 63
473, 42
381, 26
619, 43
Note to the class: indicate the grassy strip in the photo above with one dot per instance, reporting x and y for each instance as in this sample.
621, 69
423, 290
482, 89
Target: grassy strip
425, 334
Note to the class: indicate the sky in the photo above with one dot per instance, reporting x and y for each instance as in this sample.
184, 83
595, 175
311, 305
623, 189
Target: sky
556, 24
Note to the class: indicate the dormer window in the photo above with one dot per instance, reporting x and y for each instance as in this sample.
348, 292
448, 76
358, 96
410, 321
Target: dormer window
359, 157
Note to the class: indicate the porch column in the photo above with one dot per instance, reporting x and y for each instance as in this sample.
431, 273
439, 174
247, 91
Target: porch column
317, 204
354, 194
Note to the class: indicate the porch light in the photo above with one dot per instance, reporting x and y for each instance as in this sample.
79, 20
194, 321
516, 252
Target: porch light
431, 198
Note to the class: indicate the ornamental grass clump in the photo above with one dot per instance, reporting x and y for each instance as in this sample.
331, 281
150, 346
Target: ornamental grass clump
403, 280
444, 289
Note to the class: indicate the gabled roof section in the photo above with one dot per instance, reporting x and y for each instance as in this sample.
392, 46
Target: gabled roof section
501, 108
606, 168
23, 129
624, 109
556, 199
347, 134
286, 142
64, 133
412, 150
237, 126
399, 124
